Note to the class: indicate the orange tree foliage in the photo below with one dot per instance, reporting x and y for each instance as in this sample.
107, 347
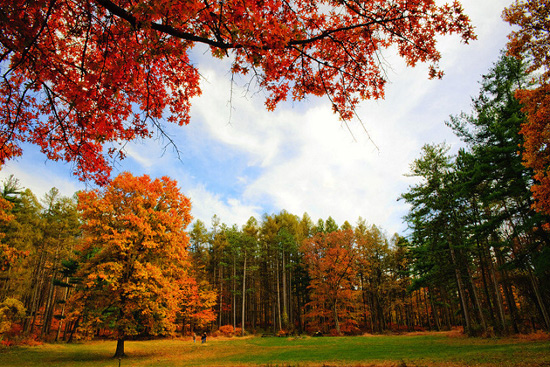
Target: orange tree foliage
199, 299
532, 40
81, 77
533, 37
331, 264
536, 135
134, 259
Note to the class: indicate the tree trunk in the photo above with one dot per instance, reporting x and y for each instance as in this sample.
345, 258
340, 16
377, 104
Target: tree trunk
336, 321
244, 297
538, 297
279, 298
461, 293
285, 310
65, 297
48, 312
220, 273
119, 353
484, 265
476, 300
498, 297
234, 294
509, 295
428, 314
364, 299
435, 311
73, 329
291, 300
37, 282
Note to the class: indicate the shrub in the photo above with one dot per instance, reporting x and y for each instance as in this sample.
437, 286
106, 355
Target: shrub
350, 327
227, 330
11, 311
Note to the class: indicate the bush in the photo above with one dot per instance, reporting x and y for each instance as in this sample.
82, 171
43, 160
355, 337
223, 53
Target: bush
15, 336
11, 312
227, 330
283, 333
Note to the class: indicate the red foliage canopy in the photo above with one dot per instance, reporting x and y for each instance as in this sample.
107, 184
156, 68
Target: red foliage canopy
80, 78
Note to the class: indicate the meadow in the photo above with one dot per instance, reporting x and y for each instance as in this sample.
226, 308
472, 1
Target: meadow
435, 349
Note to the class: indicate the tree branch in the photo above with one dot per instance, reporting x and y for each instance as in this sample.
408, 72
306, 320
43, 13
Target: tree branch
121, 13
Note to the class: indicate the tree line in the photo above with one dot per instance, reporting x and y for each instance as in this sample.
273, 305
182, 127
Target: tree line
283, 274
119, 261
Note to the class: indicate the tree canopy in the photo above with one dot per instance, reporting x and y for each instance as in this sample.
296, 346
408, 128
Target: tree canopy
134, 265
81, 78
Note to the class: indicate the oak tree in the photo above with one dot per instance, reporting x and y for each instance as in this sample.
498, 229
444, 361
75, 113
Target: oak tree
81, 78
134, 261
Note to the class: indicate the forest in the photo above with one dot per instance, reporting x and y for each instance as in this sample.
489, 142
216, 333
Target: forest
126, 260
477, 255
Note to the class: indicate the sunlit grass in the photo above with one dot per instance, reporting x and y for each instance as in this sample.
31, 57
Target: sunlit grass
407, 350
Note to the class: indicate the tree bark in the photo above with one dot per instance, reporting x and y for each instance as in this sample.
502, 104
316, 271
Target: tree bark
285, 310
119, 353
234, 293
538, 297
244, 297
48, 311
476, 300
37, 282
498, 297
279, 298
220, 273
461, 293
65, 297
434, 311
336, 321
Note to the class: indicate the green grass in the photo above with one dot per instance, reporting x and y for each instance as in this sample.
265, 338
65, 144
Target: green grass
412, 350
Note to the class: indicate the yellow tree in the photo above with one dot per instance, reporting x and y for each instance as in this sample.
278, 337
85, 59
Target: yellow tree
134, 267
6, 252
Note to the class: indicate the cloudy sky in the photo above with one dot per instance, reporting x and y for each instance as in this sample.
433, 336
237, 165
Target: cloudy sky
239, 160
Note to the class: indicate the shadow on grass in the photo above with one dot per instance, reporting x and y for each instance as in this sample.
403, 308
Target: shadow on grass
91, 356
64, 353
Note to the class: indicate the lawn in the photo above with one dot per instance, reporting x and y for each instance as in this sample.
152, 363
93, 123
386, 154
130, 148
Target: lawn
437, 349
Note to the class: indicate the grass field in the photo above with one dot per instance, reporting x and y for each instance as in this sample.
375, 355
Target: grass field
436, 349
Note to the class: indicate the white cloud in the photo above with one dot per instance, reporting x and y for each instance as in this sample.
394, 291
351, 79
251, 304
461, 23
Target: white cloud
231, 211
40, 175
308, 159
301, 157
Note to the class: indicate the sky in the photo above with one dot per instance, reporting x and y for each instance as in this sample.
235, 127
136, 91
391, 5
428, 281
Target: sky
238, 160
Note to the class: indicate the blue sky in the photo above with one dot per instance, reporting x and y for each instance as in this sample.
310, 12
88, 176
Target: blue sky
239, 160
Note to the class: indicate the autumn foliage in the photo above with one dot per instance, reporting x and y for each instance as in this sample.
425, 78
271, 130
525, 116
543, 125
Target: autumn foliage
7, 253
330, 259
134, 261
532, 41
537, 142
532, 35
81, 78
